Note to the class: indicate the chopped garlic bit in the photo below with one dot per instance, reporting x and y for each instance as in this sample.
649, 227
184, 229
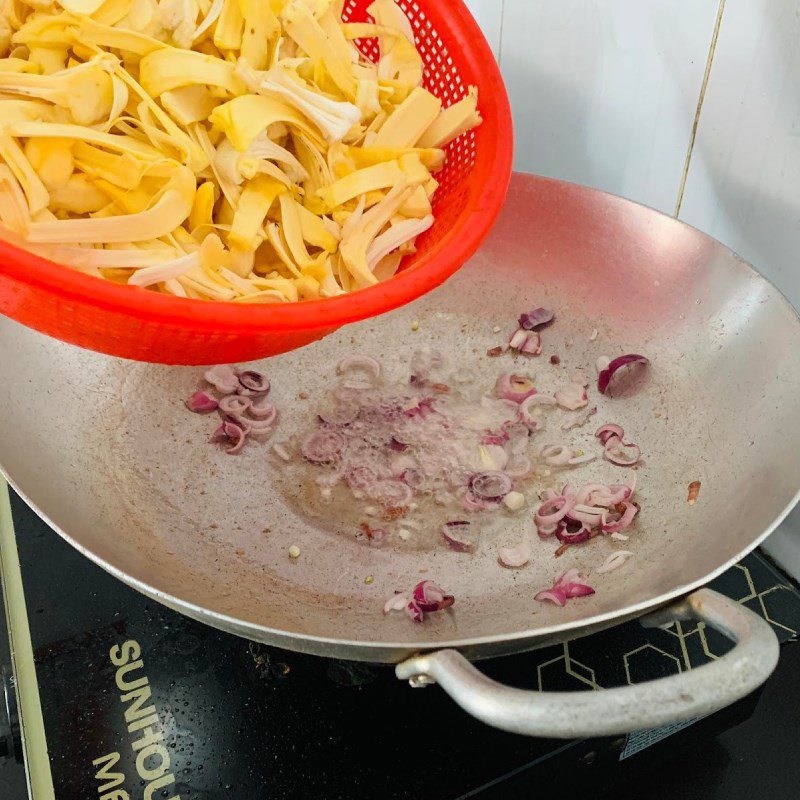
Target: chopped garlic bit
281, 451
294, 551
514, 501
232, 150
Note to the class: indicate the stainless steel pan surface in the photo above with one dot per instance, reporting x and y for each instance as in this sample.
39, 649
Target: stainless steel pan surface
106, 452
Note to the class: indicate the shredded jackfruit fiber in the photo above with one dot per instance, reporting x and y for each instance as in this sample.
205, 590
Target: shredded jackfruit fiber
234, 150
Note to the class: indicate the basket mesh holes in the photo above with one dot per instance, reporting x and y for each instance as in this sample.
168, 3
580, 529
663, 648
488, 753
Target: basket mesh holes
440, 77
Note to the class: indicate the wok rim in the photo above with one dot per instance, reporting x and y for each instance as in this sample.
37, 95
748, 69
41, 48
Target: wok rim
479, 646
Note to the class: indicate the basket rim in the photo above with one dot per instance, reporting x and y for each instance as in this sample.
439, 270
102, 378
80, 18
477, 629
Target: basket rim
449, 252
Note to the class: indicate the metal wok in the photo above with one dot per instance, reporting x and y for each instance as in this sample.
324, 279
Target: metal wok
105, 451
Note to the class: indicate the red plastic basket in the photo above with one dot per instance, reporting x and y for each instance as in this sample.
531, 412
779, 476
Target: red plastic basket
143, 325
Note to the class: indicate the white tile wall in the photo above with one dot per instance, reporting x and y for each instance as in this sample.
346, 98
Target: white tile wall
604, 92
744, 181
489, 15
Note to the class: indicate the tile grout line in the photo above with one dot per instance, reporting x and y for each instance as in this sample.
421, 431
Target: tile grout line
500, 37
700, 100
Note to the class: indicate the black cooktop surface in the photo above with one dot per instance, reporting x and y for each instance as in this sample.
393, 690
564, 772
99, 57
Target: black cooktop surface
139, 700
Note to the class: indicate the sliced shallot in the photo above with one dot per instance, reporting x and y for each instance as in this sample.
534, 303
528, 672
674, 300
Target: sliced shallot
263, 410
605, 432
361, 478
556, 455
527, 406
552, 511
616, 450
588, 515
429, 597
491, 485
559, 455
623, 454
567, 586
244, 392
362, 372
232, 431
514, 387
253, 383
610, 373
453, 533
223, 377
571, 531
618, 522
234, 404
258, 427
201, 403
535, 319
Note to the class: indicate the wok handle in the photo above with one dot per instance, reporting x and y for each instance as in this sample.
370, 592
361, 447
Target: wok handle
623, 709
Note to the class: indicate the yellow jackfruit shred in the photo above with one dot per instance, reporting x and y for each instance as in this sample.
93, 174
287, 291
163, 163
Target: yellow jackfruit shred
453, 121
254, 203
79, 195
245, 118
189, 104
35, 191
261, 32
90, 31
51, 159
228, 32
171, 68
380, 176
202, 212
112, 11
409, 120
86, 90
218, 150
